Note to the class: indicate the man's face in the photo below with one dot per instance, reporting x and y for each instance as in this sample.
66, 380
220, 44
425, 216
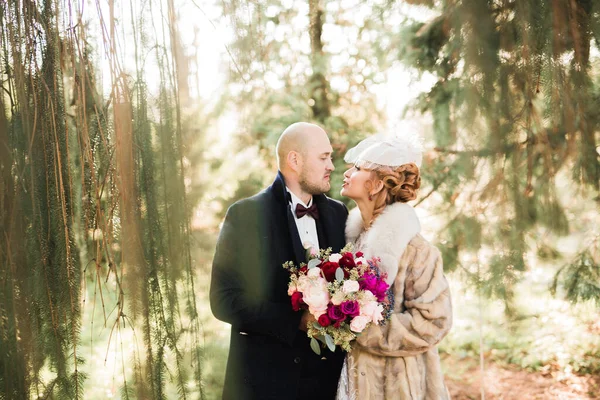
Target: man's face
316, 164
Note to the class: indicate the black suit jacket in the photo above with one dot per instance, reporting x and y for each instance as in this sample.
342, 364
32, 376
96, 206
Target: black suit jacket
269, 357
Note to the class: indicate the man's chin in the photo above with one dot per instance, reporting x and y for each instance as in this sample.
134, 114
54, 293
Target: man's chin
316, 189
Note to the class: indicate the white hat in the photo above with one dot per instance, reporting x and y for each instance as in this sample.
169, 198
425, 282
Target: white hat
391, 151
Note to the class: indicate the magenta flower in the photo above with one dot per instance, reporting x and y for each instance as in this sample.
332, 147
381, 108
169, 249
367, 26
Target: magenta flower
335, 313
350, 308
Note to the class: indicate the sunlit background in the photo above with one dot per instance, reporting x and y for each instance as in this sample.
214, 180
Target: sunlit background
128, 128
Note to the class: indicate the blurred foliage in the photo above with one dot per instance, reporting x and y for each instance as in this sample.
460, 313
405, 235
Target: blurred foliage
549, 335
93, 191
513, 110
581, 277
98, 186
288, 68
515, 104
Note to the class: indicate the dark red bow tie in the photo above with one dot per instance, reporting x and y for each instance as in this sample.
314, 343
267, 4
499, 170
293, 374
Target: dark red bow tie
301, 211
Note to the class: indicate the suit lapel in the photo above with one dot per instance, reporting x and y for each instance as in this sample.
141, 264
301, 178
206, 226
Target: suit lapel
286, 218
325, 224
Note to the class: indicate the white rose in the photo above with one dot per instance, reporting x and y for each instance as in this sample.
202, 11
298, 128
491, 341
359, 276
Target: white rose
338, 298
292, 288
303, 282
335, 257
359, 323
367, 295
371, 310
350, 287
314, 272
367, 308
316, 296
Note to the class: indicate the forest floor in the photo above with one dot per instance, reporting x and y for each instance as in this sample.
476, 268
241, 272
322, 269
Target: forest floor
508, 382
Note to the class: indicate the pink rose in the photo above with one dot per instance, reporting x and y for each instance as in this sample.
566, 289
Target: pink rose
359, 323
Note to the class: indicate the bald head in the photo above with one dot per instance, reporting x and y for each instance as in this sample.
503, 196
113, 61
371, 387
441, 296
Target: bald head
304, 159
297, 137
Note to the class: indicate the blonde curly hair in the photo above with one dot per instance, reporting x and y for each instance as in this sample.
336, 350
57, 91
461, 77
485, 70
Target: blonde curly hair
400, 184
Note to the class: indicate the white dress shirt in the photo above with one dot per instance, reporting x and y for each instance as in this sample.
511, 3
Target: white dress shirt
307, 226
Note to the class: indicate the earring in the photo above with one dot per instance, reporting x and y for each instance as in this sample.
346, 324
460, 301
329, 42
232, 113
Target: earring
370, 197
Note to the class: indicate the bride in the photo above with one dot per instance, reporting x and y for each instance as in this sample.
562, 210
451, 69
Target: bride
398, 360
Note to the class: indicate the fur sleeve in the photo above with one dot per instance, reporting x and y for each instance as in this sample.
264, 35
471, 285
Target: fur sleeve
424, 316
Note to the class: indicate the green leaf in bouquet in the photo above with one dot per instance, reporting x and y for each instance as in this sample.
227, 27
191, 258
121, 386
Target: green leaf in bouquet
314, 345
339, 274
329, 342
317, 325
313, 263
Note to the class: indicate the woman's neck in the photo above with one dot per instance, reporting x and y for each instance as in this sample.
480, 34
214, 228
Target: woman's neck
366, 212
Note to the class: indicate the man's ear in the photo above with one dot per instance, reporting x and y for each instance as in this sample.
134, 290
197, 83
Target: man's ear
294, 160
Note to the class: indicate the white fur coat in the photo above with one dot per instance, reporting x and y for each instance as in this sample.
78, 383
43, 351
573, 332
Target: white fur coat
387, 237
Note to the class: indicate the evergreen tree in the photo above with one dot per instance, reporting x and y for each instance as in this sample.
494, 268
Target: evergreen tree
94, 183
515, 107
301, 61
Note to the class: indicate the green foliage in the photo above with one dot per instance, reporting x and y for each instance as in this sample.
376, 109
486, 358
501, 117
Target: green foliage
86, 181
512, 108
39, 259
276, 80
580, 277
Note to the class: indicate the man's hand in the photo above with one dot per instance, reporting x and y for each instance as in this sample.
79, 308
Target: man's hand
307, 318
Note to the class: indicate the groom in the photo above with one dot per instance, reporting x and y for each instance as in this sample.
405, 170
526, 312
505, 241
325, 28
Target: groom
269, 353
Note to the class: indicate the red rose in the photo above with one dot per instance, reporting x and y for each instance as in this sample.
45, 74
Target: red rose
359, 254
297, 301
324, 320
347, 261
329, 269
303, 270
337, 324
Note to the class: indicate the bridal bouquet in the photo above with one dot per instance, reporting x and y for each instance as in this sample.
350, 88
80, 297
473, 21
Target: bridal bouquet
345, 292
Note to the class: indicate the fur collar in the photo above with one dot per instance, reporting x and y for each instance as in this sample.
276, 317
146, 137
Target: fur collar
388, 236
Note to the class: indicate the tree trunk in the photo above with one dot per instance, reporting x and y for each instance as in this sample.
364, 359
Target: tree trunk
318, 85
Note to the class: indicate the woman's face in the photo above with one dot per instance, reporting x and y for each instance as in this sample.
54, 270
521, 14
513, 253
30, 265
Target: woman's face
357, 182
